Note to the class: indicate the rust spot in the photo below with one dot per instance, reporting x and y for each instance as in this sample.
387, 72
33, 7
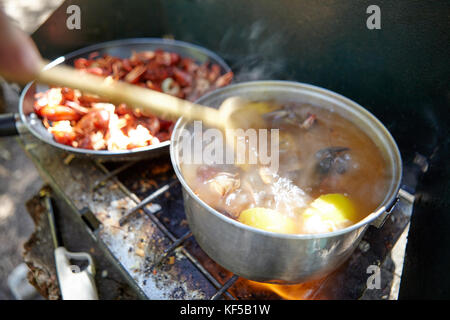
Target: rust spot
161, 169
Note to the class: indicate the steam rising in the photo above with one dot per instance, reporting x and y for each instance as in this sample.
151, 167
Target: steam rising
259, 57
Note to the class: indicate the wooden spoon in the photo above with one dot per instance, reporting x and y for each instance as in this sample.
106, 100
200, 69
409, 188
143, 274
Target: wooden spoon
233, 113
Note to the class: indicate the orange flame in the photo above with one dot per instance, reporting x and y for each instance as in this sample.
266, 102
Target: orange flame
301, 291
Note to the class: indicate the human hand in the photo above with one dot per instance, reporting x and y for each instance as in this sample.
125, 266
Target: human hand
20, 60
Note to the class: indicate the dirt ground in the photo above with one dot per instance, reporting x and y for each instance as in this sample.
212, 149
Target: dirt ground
19, 179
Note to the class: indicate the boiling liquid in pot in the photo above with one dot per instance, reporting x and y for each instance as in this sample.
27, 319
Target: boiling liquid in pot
324, 160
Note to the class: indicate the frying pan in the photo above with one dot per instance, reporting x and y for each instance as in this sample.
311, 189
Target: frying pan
120, 48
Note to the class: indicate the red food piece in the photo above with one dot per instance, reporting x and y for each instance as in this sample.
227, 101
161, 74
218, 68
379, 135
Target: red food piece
152, 123
87, 99
153, 86
163, 58
58, 113
182, 77
96, 71
174, 58
134, 75
103, 126
143, 56
224, 80
63, 137
122, 109
157, 73
127, 65
188, 65
165, 124
82, 63
163, 136
97, 119
77, 108
214, 73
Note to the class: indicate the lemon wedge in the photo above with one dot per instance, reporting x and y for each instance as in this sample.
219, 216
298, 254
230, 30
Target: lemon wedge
268, 219
328, 213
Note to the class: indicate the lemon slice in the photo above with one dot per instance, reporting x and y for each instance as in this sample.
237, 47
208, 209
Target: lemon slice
268, 219
328, 213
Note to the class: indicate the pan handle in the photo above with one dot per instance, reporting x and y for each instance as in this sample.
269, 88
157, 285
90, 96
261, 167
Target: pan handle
8, 124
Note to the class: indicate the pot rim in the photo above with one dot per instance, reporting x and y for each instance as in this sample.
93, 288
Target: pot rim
386, 204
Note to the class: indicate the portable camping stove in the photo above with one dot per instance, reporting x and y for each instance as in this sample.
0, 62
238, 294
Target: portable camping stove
135, 212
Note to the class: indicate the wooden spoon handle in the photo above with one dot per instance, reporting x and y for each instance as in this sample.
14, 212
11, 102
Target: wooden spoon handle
146, 100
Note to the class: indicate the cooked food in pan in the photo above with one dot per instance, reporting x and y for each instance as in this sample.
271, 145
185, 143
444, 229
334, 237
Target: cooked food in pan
86, 121
330, 176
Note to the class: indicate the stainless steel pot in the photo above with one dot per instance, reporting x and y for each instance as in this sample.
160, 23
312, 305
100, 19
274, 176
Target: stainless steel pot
284, 258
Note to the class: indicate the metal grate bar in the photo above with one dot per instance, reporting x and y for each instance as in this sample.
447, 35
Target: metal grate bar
225, 287
130, 213
197, 263
115, 172
186, 236
169, 234
172, 247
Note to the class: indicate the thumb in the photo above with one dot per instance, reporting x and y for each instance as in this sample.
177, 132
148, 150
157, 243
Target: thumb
20, 60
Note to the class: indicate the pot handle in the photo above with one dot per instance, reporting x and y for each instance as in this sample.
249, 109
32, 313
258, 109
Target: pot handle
8, 124
402, 194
